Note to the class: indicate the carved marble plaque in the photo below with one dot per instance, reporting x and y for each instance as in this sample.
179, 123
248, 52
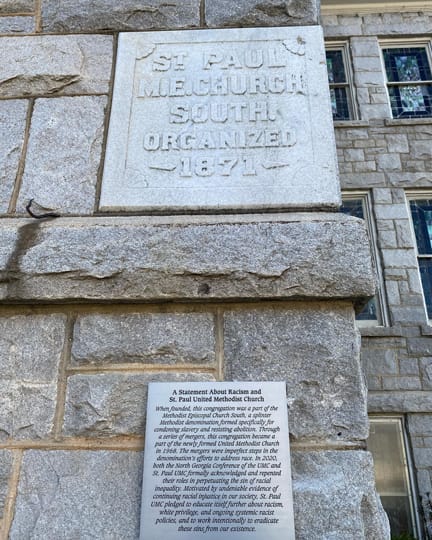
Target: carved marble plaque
217, 462
221, 119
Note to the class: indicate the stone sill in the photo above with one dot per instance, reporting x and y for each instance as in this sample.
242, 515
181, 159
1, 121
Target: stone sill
380, 331
408, 121
351, 123
400, 401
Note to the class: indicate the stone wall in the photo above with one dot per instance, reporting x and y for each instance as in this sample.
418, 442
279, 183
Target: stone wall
391, 160
96, 306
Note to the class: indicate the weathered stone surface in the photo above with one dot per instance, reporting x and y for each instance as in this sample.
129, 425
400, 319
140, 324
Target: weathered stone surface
63, 154
59, 65
420, 424
315, 349
16, 6
401, 402
5, 472
78, 494
17, 25
279, 256
79, 15
109, 404
30, 350
256, 13
12, 128
154, 338
334, 497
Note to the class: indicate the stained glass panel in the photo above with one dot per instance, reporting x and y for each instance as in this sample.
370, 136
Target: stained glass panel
404, 65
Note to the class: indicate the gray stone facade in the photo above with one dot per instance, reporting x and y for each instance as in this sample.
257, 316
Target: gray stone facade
95, 307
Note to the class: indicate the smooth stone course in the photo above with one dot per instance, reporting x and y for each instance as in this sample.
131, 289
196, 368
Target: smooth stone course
335, 497
314, 347
221, 120
6, 459
97, 15
78, 494
63, 154
156, 338
280, 256
257, 13
12, 128
57, 65
109, 404
30, 351
16, 6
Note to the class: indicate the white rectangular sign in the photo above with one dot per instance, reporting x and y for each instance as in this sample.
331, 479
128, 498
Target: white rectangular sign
217, 462
221, 119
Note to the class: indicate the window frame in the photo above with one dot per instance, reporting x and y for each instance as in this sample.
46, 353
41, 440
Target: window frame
413, 196
382, 319
407, 43
408, 464
343, 47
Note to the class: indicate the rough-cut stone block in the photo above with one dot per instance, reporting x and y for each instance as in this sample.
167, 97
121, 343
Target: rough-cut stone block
315, 349
255, 13
58, 65
78, 494
17, 25
12, 128
30, 350
335, 497
154, 338
16, 6
63, 154
5, 472
82, 15
279, 256
420, 424
113, 403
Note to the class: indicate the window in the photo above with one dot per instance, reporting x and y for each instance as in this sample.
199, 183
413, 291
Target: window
358, 205
340, 92
421, 213
387, 442
409, 81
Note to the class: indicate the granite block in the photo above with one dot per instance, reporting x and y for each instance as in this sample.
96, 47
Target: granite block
315, 349
55, 65
254, 257
63, 154
12, 131
78, 494
109, 404
154, 338
111, 15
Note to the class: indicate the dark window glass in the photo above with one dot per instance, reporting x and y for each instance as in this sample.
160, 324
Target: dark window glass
405, 66
338, 85
421, 212
354, 207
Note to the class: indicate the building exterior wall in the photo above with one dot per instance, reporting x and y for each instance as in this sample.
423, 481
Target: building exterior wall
76, 380
390, 160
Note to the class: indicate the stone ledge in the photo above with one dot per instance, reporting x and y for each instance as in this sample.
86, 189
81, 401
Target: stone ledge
286, 256
415, 401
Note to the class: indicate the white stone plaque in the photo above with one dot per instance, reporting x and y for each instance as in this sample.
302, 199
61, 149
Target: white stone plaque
221, 119
217, 462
